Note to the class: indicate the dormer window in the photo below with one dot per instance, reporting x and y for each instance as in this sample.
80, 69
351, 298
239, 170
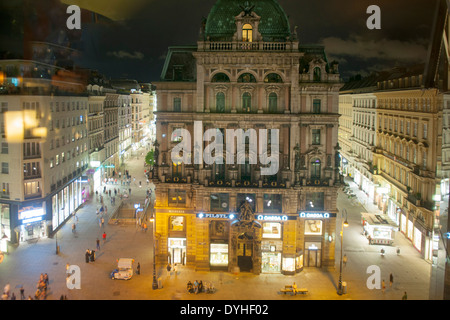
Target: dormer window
247, 33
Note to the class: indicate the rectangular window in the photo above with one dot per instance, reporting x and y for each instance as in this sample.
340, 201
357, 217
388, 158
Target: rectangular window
4, 147
272, 203
177, 197
219, 202
425, 131
271, 230
313, 227
5, 167
242, 197
316, 106
315, 201
316, 136
176, 223
177, 104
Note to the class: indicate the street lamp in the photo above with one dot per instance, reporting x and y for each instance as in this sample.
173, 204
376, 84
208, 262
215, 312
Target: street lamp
155, 283
343, 224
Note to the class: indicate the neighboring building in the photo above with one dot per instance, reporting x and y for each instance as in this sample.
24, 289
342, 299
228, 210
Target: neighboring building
42, 164
408, 155
398, 150
111, 131
125, 128
248, 72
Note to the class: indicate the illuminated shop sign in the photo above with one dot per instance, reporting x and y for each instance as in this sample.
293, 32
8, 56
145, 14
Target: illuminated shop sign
271, 217
216, 215
317, 215
30, 213
31, 220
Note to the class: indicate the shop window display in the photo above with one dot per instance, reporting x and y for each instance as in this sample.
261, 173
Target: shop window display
271, 230
176, 223
218, 255
313, 227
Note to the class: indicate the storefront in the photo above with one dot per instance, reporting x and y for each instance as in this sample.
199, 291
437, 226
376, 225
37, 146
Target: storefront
394, 211
5, 226
218, 256
67, 200
177, 250
271, 252
314, 226
176, 242
32, 222
313, 254
219, 228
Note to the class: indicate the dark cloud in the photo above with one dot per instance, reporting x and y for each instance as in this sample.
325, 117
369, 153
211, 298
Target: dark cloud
338, 24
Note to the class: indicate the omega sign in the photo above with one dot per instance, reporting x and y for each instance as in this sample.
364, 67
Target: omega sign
316, 215
271, 218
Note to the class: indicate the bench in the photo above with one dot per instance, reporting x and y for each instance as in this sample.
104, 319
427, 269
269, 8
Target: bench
289, 289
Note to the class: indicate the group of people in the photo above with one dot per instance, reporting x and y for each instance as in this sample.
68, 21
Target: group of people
89, 255
198, 287
42, 287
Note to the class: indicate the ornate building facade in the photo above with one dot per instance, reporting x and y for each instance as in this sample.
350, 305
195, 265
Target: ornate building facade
247, 72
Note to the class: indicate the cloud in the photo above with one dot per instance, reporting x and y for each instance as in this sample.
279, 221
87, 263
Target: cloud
126, 55
385, 49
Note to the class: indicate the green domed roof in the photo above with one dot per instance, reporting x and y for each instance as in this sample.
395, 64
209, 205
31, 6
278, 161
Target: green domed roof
220, 24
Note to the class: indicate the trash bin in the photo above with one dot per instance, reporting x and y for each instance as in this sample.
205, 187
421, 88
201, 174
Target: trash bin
344, 287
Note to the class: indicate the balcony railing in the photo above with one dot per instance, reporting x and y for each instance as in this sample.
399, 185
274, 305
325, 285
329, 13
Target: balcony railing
247, 46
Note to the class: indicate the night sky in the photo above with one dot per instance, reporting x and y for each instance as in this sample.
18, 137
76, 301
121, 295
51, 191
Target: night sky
135, 44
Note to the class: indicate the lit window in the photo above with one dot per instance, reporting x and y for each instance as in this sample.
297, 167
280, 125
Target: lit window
247, 33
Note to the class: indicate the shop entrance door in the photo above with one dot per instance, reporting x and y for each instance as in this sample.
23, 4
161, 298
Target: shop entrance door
313, 258
244, 255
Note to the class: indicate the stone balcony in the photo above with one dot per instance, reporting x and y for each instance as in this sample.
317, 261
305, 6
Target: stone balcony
287, 46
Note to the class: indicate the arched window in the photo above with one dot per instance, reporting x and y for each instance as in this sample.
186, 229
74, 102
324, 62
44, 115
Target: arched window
317, 75
246, 77
176, 169
247, 33
315, 169
273, 78
220, 77
246, 102
220, 102
273, 102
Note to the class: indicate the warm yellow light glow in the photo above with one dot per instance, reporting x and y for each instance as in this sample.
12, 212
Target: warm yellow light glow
14, 126
247, 33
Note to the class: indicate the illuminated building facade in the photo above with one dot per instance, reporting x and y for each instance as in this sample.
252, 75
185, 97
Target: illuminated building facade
248, 72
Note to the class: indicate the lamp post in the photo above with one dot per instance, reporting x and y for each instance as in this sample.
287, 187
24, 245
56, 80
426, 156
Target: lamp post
155, 283
343, 224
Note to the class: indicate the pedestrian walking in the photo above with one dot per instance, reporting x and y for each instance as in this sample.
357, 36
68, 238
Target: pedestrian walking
138, 269
13, 296
391, 280
383, 286
129, 191
22, 293
104, 237
175, 269
46, 280
98, 244
103, 222
168, 269
405, 296
73, 227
